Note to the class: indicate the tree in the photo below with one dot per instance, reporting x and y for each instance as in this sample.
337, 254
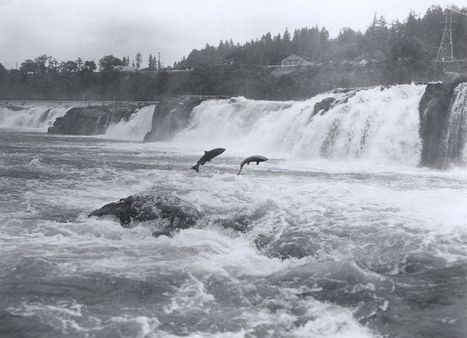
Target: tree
2, 71
28, 66
152, 62
139, 60
69, 66
89, 66
52, 66
108, 62
40, 62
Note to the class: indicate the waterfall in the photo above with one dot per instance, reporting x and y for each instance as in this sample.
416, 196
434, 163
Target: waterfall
457, 125
378, 124
36, 117
135, 128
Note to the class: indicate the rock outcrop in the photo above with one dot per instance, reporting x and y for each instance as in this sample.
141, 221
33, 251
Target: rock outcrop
169, 212
436, 108
92, 120
166, 214
173, 114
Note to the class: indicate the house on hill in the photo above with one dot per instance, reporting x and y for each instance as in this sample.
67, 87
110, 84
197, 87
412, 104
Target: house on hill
296, 60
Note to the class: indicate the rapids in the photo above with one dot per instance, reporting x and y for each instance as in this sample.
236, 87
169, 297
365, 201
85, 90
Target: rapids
339, 234
335, 249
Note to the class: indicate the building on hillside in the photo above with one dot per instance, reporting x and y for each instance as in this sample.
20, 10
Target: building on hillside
296, 60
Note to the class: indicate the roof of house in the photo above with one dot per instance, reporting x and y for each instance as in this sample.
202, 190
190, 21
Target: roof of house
295, 56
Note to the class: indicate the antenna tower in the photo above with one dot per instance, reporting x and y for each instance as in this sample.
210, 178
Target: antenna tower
446, 47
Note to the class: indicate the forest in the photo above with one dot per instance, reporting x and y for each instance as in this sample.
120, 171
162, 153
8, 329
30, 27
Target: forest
416, 38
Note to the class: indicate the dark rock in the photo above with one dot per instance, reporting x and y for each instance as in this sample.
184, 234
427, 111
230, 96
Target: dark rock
324, 105
171, 211
434, 118
328, 103
162, 233
173, 114
238, 223
92, 120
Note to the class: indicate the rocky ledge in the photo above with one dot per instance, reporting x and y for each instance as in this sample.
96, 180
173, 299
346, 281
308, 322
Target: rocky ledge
435, 111
167, 214
92, 120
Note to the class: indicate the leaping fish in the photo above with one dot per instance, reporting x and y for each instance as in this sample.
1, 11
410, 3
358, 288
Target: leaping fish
208, 156
248, 160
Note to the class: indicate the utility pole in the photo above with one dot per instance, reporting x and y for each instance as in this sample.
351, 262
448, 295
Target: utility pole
159, 62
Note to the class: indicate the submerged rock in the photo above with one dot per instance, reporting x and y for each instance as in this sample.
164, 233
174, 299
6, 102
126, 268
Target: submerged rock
324, 105
328, 103
171, 212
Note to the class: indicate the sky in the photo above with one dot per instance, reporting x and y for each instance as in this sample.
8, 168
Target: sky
90, 29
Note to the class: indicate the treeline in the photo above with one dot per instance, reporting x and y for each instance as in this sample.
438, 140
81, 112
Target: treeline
251, 81
44, 78
48, 64
416, 38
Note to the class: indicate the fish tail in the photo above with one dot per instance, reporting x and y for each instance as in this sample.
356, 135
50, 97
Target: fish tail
196, 167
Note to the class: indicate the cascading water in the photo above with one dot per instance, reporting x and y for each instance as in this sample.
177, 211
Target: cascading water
36, 117
135, 128
378, 124
457, 125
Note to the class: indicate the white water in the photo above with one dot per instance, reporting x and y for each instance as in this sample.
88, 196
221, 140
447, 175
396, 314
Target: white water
135, 128
36, 117
372, 124
457, 129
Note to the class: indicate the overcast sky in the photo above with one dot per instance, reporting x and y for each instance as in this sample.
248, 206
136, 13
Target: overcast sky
68, 29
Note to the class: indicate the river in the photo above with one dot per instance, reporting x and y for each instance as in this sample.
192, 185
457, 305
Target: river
342, 246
